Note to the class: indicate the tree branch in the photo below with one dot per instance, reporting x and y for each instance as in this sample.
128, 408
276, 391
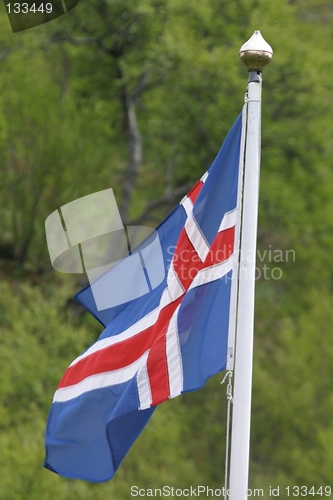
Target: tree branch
135, 156
141, 86
166, 199
75, 40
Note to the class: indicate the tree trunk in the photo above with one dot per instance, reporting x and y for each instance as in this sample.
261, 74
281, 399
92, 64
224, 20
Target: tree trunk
135, 154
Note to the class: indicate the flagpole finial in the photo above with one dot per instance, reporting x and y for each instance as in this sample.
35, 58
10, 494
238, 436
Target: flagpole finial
256, 53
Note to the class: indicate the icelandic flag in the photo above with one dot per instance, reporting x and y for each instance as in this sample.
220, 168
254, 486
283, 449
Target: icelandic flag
159, 345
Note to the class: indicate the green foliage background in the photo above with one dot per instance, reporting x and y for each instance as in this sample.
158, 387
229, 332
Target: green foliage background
63, 135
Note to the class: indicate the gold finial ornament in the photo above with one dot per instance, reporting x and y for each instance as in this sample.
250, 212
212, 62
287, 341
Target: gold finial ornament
256, 53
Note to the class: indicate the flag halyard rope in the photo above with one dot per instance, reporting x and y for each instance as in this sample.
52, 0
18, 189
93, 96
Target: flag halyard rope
229, 397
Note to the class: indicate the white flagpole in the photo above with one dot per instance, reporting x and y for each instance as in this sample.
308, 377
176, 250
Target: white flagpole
255, 54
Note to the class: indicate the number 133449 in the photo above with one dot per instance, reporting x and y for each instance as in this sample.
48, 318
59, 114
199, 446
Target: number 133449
24, 8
